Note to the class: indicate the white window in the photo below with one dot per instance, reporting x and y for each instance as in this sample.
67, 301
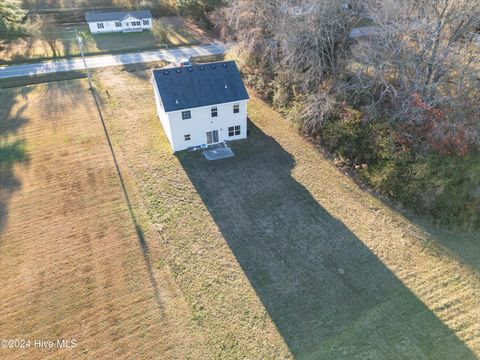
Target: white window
118, 24
146, 22
214, 111
135, 23
186, 115
187, 137
234, 130
236, 109
99, 25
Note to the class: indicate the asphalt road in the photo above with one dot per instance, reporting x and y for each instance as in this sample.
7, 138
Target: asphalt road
110, 60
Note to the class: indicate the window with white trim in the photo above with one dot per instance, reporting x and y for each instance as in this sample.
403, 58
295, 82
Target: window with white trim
135, 23
187, 114
118, 24
187, 137
214, 111
234, 130
146, 22
99, 25
236, 109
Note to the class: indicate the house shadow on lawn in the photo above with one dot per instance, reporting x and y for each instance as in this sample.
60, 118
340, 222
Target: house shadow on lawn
329, 296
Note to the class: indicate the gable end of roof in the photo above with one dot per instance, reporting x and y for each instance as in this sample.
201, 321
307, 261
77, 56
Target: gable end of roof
99, 16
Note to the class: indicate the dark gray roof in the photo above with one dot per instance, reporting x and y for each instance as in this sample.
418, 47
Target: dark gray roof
200, 85
94, 16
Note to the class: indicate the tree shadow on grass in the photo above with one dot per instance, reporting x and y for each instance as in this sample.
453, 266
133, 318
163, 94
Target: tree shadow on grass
12, 149
329, 296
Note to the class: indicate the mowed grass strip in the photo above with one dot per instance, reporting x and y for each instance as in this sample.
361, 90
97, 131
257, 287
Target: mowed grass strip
279, 254
71, 263
223, 304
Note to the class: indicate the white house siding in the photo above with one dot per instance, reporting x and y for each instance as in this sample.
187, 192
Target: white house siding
202, 122
127, 24
109, 26
163, 116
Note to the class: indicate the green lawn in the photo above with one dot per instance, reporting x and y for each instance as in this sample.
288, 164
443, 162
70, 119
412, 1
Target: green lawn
167, 31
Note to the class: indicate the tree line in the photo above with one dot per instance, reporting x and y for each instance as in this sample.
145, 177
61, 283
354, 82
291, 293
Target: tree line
399, 105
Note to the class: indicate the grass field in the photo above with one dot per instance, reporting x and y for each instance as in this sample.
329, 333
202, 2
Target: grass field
340, 274
171, 31
272, 254
73, 264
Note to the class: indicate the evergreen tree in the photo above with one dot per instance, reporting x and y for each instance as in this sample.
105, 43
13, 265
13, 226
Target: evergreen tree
12, 20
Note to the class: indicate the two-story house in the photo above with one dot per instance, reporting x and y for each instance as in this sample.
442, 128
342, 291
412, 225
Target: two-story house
201, 104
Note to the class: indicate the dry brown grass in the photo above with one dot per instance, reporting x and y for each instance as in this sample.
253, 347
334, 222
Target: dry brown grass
70, 259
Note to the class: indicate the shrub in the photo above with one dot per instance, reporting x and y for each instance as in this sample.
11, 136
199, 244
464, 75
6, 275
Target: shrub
445, 188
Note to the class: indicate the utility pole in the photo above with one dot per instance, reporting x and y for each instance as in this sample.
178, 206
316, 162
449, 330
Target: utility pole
80, 45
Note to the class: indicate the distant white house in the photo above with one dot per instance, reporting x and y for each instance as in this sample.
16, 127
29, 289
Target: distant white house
119, 21
201, 104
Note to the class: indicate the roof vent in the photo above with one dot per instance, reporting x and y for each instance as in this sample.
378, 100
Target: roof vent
226, 87
178, 71
213, 66
224, 65
202, 67
166, 72
176, 101
190, 69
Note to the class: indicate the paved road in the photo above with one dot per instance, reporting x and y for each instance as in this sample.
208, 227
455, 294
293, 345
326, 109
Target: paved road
110, 60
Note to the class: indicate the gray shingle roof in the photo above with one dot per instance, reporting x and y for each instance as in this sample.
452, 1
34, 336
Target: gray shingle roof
200, 85
94, 16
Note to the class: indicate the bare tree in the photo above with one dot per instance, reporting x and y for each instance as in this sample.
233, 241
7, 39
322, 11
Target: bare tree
45, 27
252, 25
290, 46
314, 40
421, 70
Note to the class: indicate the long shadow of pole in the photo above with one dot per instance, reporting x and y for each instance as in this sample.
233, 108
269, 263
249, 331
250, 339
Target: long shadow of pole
138, 229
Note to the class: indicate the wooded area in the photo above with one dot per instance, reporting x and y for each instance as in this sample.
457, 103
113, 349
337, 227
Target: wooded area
399, 105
